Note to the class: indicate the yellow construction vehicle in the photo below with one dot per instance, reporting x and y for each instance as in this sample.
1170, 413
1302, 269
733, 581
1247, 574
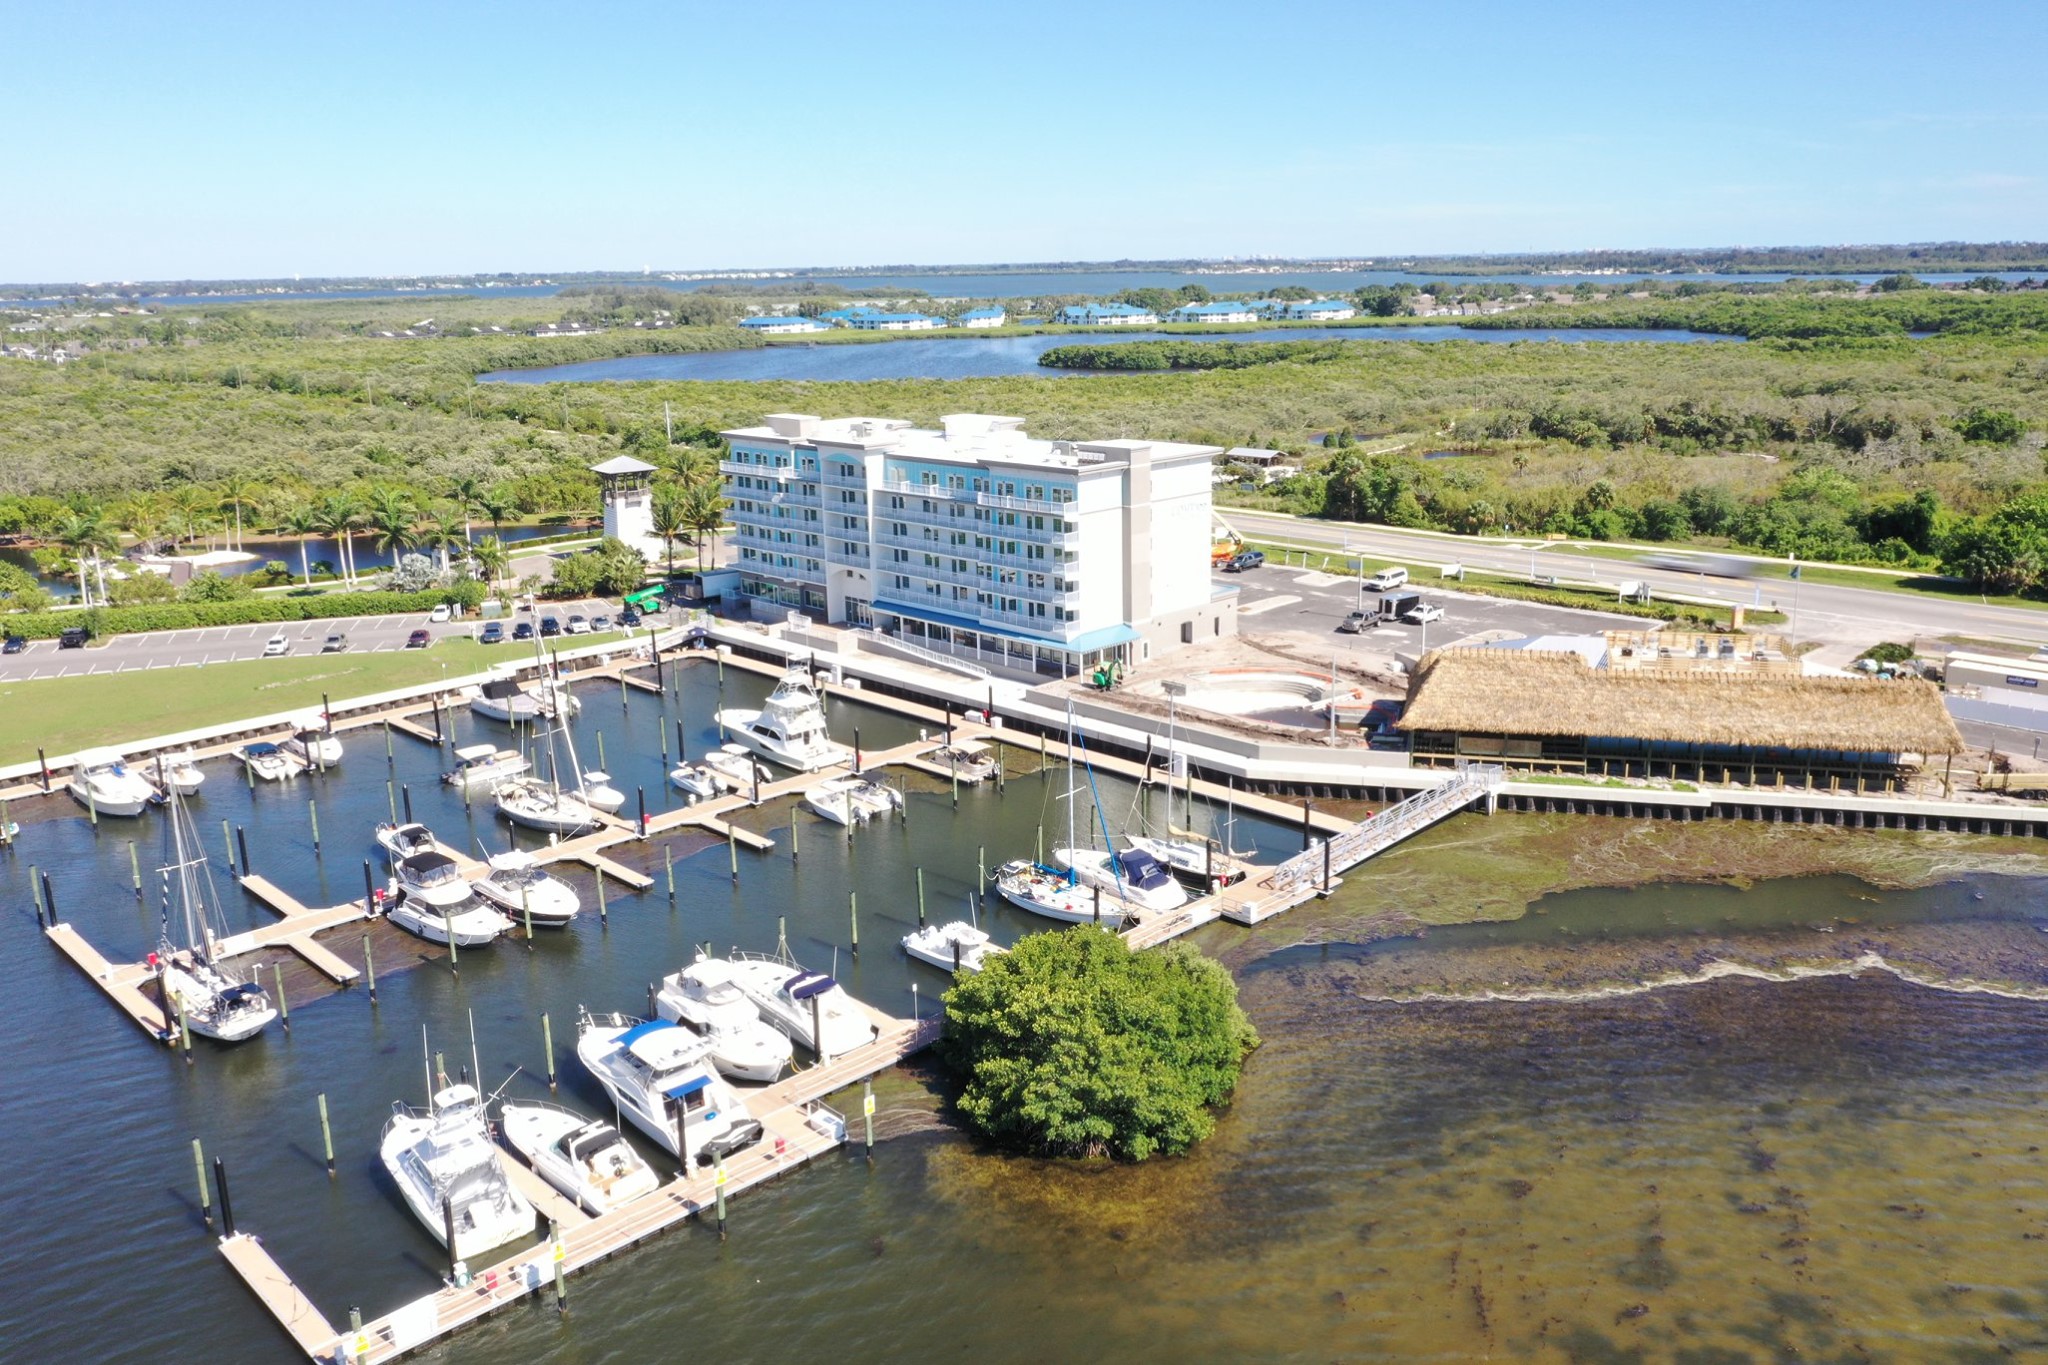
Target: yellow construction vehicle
1224, 541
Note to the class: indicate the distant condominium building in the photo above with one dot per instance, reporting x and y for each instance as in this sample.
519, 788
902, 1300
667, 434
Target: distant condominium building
1032, 556
1321, 310
1218, 311
780, 326
1105, 315
983, 317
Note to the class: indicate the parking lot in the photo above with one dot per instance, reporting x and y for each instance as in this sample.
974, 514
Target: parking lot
1276, 598
221, 644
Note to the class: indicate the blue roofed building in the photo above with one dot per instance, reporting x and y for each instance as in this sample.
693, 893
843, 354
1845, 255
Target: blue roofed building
1216, 310
779, 326
983, 317
1105, 315
871, 321
1320, 310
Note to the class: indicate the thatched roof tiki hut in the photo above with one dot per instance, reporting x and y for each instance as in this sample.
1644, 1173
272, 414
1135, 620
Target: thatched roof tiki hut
1553, 711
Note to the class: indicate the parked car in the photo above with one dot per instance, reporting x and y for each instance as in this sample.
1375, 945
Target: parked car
1386, 579
1424, 614
550, 626
337, 642
419, 639
74, 638
600, 623
444, 612
523, 631
629, 619
493, 633
1356, 622
276, 645
579, 624
14, 644
1249, 559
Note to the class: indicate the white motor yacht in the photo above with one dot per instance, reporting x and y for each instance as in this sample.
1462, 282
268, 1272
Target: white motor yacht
1056, 894
704, 998
312, 743
736, 768
789, 728
954, 947
804, 1004
402, 841
105, 783
270, 763
480, 767
522, 888
694, 780
660, 1076
536, 805
586, 1159
430, 876
852, 800
467, 923
448, 1169
598, 793
1132, 875
968, 760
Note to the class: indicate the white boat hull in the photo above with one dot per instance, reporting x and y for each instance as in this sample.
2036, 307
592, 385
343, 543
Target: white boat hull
124, 797
196, 999
546, 812
935, 945
694, 780
534, 1130
1044, 893
1091, 867
479, 1225
736, 723
468, 929
553, 905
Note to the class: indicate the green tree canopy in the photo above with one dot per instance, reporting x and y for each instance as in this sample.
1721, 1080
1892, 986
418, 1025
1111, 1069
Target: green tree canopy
1071, 1044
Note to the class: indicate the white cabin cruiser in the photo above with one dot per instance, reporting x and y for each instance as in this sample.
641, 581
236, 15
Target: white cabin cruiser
536, 805
736, 768
598, 793
587, 1159
431, 876
660, 1076
467, 923
504, 699
1056, 894
270, 763
704, 998
402, 841
480, 767
312, 743
448, 1169
852, 800
804, 1005
954, 947
522, 888
105, 783
694, 780
967, 760
178, 773
1132, 875
789, 728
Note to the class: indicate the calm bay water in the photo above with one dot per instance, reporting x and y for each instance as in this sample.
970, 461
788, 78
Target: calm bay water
1834, 1168
968, 357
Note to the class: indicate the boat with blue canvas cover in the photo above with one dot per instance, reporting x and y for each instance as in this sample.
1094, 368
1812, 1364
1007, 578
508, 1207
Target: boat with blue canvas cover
660, 1076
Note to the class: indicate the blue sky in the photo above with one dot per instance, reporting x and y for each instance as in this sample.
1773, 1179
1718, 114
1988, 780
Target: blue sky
149, 142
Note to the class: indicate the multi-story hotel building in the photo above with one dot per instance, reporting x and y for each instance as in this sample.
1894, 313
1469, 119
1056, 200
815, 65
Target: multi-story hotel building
1030, 555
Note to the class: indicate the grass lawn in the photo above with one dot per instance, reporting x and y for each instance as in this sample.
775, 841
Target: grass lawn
65, 714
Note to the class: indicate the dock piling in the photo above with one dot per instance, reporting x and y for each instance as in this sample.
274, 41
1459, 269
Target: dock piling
668, 870
326, 1136
284, 1009
36, 882
405, 792
547, 1039
134, 862
981, 872
719, 1180
448, 1230
227, 838
643, 810
856, 748
454, 957
867, 1110
387, 744
732, 851
1306, 828
600, 734
369, 969
853, 919
313, 815
391, 798
227, 1207
242, 843
920, 898
560, 1254
603, 919
43, 767
199, 1169
185, 1046
526, 913
796, 822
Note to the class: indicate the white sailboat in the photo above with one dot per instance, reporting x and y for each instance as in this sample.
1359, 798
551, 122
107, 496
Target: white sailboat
789, 729
1132, 875
810, 1007
586, 1159
214, 1000
704, 998
103, 782
853, 800
1204, 862
1057, 893
660, 1076
538, 805
480, 767
522, 888
451, 1175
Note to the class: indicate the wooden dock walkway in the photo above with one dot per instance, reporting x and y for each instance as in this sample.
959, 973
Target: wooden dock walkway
796, 1129
119, 982
406, 725
305, 1324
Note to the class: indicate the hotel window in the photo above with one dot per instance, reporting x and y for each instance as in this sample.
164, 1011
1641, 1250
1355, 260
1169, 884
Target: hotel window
956, 482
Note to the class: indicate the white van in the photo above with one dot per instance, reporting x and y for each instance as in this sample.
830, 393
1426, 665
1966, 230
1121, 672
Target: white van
1386, 579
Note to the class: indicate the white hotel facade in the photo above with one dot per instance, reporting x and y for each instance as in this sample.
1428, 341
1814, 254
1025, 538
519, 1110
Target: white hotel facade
977, 540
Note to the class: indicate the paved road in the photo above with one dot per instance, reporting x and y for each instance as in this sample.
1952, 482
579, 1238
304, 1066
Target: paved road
1825, 611
220, 644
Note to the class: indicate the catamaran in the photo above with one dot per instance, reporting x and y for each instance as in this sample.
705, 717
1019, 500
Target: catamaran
704, 998
789, 729
523, 889
660, 1076
586, 1159
104, 783
451, 1175
810, 1007
214, 1001
853, 800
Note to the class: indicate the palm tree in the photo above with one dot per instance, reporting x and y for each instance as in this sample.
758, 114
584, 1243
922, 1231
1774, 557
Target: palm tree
234, 491
441, 535
497, 506
468, 492
303, 521
671, 519
196, 511
492, 559
140, 516
86, 535
338, 515
704, 513
391, 517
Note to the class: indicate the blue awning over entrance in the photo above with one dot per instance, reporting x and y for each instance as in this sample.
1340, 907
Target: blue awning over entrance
1108, 636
